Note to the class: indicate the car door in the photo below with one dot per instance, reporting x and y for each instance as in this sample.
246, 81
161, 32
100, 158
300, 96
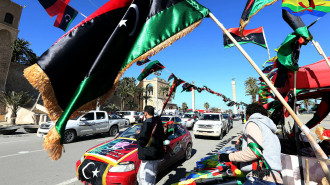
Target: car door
86, 124
101, 122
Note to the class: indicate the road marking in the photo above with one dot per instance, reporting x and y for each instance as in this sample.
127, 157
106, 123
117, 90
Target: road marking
12, 141
68, 181
21, 153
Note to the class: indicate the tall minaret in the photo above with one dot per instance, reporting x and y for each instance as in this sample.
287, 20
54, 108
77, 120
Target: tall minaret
193, 98
234, 94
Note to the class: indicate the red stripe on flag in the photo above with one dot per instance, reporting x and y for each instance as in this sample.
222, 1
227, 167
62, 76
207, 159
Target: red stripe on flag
109, 6
60, 13
55, 8
245, 32
249, 5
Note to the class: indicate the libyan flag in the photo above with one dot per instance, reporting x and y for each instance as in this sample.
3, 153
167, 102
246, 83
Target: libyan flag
84, 66
151, 68
254, 36
252, 7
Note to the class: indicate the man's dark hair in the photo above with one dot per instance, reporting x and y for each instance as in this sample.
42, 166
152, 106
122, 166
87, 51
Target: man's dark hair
256, 108
150, 110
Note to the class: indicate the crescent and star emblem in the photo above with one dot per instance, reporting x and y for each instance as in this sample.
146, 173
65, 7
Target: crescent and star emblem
123, 22
67, 17
83, 170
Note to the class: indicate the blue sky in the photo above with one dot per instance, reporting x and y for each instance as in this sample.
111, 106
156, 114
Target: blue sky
200, 56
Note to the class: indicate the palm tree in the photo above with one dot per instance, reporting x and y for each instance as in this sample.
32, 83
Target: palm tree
139, 91
111, 108
214, 109
125, 90
22, 53
184, 106
206, 105
307, 103
251, 88
14, 100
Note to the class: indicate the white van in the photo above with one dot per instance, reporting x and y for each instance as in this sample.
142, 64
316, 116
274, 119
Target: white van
129, 115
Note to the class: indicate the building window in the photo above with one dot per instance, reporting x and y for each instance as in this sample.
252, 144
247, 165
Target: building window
149, 89
9, 18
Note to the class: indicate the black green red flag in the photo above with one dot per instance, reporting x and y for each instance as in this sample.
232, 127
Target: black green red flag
84, 66
151, 68
252, 7
254, 36
52, 7
65, 17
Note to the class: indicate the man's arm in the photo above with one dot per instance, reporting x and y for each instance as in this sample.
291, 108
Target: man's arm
254, 135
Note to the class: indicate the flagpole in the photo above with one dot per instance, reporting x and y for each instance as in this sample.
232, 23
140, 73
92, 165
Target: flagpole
263, 33
320, 50
319, 153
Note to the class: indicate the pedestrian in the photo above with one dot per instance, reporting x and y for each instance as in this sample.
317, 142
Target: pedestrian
260, 157
242, 117
150, 147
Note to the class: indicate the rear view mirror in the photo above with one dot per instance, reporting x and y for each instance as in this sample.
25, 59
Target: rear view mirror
83, 119
167, 142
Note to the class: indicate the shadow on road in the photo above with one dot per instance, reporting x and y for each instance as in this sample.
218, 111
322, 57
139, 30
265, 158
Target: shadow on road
180, 171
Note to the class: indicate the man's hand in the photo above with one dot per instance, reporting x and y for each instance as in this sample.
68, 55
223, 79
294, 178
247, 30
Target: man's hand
224, 158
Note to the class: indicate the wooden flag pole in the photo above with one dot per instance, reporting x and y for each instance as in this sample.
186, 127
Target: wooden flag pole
318, 150
320, 50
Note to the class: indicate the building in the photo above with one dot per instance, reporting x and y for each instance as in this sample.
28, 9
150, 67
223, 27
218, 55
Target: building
157, 100
10, 15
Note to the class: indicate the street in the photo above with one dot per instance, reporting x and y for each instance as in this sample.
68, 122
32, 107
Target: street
23, 160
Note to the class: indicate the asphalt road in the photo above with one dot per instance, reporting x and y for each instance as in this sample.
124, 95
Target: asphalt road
23, 161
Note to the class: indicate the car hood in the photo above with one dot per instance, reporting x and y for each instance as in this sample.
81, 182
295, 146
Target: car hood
114, 151
207, 122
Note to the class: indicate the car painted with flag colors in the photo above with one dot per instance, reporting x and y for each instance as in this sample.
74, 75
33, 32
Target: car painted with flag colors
168, 118
116, 161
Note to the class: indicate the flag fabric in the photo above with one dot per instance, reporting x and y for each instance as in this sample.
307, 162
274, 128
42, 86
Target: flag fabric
270, 61
268, 69
151, 68
140, 63
171, 77
254, 36
252, 7
302, 7
288, 52
84, 66
65, 17
52, 7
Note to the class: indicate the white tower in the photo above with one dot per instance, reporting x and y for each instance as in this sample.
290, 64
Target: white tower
234, 94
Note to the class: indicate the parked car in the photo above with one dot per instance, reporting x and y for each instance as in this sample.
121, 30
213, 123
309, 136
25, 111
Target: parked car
189, 119
229, 120
211, 124
122, 121
116, 161
139, 117
167, 118
129, 115
93, 122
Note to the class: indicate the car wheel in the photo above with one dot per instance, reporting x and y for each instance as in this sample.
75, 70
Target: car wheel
188, 151
221, 136
113, 130
69, 136
126, 122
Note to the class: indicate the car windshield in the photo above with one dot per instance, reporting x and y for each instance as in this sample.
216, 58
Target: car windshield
165, 118
188, 116
225, 116
131, 132
214, 117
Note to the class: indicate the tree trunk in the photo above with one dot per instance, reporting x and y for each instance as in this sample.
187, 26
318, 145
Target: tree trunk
13, 118
254, 99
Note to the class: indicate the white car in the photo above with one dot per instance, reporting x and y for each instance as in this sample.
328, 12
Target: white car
188, 120
129, 115
93, 122
211, 124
